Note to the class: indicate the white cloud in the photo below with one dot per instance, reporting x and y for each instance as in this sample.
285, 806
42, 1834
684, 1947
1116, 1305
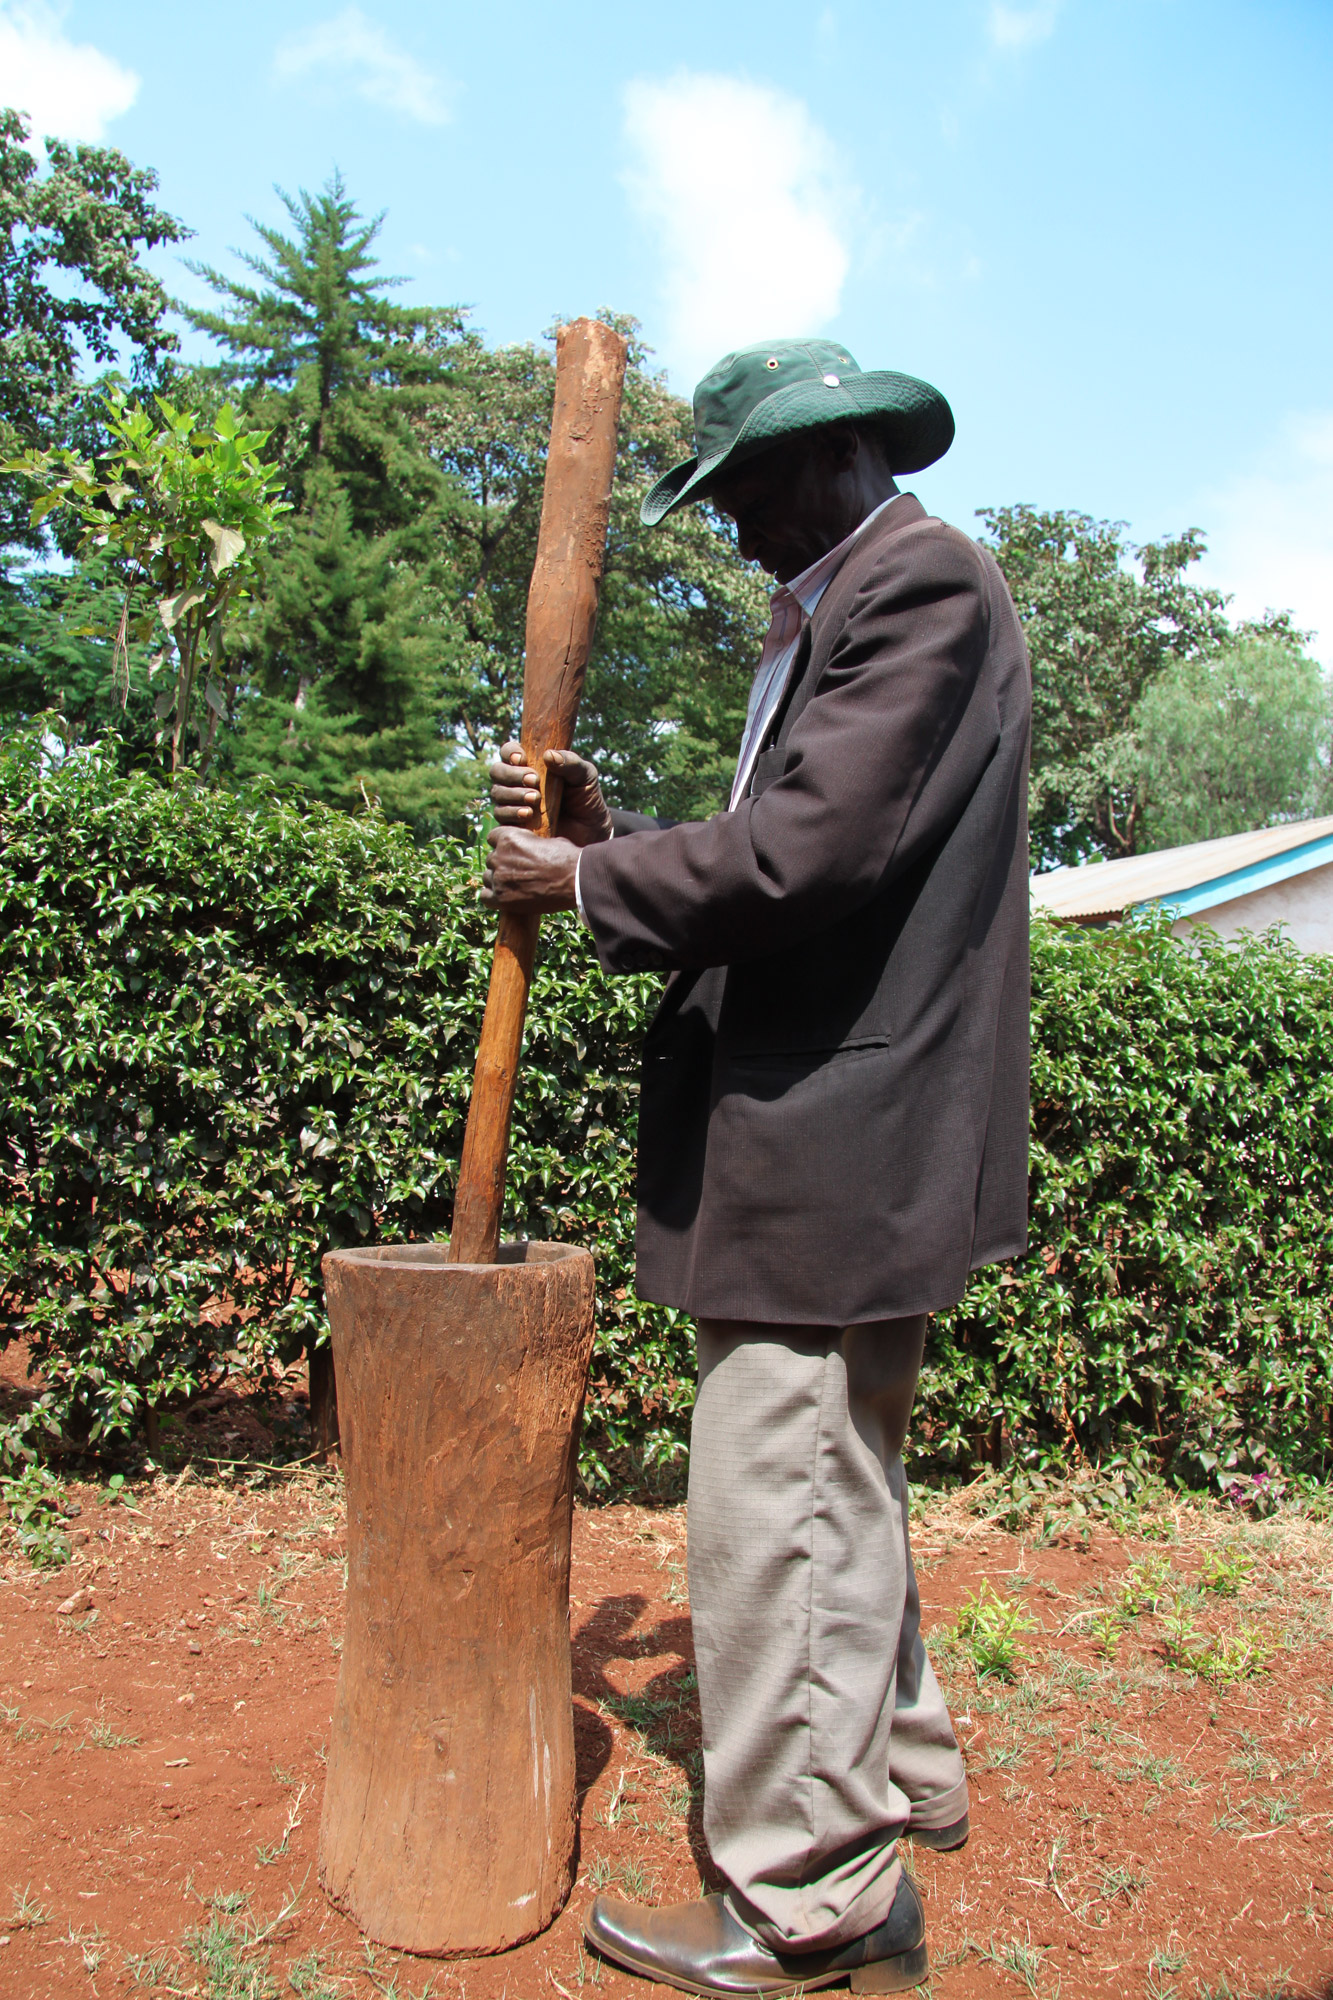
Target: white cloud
69, 90
1270, 530
352, 51
1022, 27
748, 202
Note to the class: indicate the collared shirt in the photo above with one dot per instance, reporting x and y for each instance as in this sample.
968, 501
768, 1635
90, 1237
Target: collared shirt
793, 607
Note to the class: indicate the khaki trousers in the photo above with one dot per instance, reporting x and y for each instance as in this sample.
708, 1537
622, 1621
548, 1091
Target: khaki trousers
824, 1729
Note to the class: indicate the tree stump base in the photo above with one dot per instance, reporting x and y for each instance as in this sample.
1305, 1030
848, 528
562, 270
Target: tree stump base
448, 1823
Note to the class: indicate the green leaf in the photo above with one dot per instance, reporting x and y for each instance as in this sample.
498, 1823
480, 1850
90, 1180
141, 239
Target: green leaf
228, 544
173, 609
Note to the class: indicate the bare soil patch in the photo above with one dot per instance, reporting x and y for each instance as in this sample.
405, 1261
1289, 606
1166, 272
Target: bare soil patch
1139, 1827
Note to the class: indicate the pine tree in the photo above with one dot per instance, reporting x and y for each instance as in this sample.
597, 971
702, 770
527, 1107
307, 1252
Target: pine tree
349, 634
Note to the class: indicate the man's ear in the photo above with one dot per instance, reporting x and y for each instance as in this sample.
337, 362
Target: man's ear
842, 445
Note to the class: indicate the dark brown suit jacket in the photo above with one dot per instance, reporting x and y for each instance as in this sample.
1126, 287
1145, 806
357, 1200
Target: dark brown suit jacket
834, 1116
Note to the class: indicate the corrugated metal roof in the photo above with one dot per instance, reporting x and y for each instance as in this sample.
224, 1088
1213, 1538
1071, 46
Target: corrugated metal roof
1187, 879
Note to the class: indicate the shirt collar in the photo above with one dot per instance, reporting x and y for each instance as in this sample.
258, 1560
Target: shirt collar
810, 585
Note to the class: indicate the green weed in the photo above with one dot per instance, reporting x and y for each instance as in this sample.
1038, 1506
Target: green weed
635, 1880
1145, 1584
638, 1884
229, 1949
389, 1987
220, 1949
105, 1736
1122, 1881
306, 1977
1220, 1657
993, 1628
27, 1914
269, 1606
1225, 1571
154, 1970
616, 1806
266, 1856
1150, 1770
1021, 1958
91, 1945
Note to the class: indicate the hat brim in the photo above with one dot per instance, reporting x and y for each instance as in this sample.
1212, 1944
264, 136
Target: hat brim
914, 418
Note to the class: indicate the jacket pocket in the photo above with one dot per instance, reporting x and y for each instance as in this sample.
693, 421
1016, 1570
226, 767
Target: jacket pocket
813, 1055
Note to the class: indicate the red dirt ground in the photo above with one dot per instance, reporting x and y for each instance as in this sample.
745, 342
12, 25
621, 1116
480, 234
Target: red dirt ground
1137, 1830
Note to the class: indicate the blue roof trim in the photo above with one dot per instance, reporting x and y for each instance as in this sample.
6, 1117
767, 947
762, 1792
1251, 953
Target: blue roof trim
1244, 881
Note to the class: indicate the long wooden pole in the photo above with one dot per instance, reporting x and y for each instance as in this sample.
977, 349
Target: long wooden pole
562, 615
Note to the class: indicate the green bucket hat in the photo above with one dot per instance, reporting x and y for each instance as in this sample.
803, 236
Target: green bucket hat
758, 395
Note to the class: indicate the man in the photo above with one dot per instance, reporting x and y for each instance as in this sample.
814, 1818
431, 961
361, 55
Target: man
833, 1134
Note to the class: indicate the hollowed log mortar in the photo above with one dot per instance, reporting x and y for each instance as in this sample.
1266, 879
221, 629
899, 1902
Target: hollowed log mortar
449, 1821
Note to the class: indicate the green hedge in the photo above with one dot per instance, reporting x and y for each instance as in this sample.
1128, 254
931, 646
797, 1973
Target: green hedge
234, 1034
1175, 1305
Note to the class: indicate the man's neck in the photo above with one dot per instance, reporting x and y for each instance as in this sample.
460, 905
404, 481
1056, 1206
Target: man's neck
874, 490
794, 582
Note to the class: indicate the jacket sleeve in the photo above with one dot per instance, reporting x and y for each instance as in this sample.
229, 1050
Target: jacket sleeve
851, 809
631, 822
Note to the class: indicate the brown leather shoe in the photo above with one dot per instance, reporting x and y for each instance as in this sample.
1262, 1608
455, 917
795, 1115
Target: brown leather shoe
701, 1948
940, 1839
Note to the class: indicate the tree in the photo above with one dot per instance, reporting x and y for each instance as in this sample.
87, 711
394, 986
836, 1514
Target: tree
682, 617
1234, 740
58, 633
182, 514
72, 285
1099, 635
350, 631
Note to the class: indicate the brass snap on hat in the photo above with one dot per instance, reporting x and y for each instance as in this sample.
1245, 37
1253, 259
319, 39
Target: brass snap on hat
759, 395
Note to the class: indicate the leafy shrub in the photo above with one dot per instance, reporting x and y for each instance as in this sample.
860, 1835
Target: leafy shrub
31, 1502
235, 1033
1174, 1307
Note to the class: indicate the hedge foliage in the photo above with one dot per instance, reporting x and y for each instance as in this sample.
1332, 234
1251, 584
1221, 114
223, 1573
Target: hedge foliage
234, 1034
1176, 1303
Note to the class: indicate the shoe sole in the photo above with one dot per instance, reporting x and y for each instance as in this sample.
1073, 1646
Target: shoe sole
898, 1974
921, 1839
926, 1836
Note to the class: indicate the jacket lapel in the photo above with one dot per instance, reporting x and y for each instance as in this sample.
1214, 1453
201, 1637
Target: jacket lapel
831, 610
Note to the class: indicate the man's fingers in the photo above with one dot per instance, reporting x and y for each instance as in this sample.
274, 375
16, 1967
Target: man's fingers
515, 793
571, 765
506, 774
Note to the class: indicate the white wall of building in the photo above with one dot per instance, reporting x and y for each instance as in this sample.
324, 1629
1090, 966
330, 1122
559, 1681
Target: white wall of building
1304, 903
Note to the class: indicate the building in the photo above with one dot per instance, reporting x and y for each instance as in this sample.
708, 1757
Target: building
1244, 882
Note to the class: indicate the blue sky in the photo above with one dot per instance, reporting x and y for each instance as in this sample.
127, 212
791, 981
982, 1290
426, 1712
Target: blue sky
1101, 226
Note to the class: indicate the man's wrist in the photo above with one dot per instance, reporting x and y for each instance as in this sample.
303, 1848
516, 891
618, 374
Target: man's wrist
578, 889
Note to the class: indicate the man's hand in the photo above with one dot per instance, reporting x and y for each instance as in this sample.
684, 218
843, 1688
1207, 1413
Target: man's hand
525, 871
515, 796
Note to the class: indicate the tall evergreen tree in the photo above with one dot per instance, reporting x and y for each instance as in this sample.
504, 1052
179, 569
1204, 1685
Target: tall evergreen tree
349, 634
